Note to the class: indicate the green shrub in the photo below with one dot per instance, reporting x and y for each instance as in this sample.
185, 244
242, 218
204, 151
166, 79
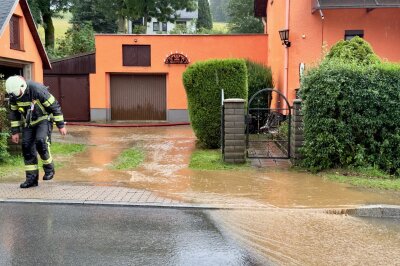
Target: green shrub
3, 122
356, 50
3, 147
203, 83
352, 116
260, 77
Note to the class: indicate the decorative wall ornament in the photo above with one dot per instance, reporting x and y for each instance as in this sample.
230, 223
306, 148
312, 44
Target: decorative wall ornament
176, 58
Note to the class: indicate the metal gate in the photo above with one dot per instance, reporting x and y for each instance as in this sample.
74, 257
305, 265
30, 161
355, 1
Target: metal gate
268, 125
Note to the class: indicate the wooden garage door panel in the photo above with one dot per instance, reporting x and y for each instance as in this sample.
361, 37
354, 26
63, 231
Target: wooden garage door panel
54, 87
72, 92
75, 97
138, 97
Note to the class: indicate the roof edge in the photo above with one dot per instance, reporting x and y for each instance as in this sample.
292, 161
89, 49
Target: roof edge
72, 57
32, 28
8, 17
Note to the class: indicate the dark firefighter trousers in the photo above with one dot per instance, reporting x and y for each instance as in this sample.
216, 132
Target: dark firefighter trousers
36, 139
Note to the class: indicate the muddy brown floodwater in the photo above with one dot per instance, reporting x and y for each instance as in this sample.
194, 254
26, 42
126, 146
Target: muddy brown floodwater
275, 210
309, 237
166, 172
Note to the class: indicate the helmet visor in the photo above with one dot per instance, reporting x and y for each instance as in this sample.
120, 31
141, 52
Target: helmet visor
14, 96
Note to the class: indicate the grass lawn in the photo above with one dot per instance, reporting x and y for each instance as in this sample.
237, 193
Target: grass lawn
220, 26
16, 163
61, 25
66, 149
129, 159
212, 160
364, 177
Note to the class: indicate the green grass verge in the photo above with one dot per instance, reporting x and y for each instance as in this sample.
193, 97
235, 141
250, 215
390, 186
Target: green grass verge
364, 177
129, 159
16, 163
212, 160
66, 149
220, 26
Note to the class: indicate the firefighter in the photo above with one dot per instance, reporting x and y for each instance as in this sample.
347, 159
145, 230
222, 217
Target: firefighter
34, 109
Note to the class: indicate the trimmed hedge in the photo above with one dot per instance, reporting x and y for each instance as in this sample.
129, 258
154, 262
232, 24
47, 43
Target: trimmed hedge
352, 115
260, 77
4, 124
203, 83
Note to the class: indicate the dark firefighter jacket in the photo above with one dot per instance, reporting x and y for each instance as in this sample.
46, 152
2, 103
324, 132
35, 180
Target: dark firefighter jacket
36, 105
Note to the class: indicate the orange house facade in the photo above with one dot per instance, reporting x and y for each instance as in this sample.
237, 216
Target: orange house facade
139, 77
315, 25
21, 51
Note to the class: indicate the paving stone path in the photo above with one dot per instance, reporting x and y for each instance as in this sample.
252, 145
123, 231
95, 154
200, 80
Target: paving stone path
83, 194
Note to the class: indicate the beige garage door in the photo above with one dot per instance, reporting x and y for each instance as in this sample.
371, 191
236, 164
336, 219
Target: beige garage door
138, 97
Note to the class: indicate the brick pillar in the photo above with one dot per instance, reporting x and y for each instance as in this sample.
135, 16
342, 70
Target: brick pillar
297, 132
234, 131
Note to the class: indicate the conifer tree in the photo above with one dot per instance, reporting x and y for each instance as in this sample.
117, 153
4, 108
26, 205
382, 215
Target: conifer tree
204, 21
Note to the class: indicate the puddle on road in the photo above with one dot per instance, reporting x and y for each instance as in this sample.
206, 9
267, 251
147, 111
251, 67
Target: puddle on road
165, 171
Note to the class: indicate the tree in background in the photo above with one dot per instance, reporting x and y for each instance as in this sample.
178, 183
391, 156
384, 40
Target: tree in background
103, 15
162, 10
218, 10
204, 21
43, 12
241, 17
78, 39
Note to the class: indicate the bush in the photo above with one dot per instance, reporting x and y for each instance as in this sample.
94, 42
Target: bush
203, 83
356, 50
352, 115
260, 77
3, 122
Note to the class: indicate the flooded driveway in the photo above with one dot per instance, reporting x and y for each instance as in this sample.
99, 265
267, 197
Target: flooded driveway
165, 171
275, 211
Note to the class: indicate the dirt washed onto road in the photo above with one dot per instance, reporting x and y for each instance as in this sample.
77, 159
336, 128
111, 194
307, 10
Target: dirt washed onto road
165, 171
309, 237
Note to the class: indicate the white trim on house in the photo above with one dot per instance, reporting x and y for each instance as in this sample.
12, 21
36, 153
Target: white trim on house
190, 24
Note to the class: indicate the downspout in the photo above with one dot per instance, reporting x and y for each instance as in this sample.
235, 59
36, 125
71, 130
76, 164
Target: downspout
264, 21
286, 68
322, 27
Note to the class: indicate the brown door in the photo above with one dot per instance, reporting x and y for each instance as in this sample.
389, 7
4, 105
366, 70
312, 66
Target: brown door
138, 97
72, 92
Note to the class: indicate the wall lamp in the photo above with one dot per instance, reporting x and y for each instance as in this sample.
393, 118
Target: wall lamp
284, 34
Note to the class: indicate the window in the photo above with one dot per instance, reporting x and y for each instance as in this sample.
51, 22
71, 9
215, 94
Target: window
156, 26
350, 34
15, 33
164, 26
136, 55
181, 23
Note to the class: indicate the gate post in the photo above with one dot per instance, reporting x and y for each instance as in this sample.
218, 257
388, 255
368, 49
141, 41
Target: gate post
297, 132
235, 138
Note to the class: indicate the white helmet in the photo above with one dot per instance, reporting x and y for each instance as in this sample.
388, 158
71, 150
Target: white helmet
16, 86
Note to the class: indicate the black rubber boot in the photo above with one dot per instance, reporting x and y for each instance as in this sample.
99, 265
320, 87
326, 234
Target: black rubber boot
29, 183
49, 175
48, 171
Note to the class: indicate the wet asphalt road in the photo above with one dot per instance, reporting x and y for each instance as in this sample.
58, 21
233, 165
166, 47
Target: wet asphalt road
36, 234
